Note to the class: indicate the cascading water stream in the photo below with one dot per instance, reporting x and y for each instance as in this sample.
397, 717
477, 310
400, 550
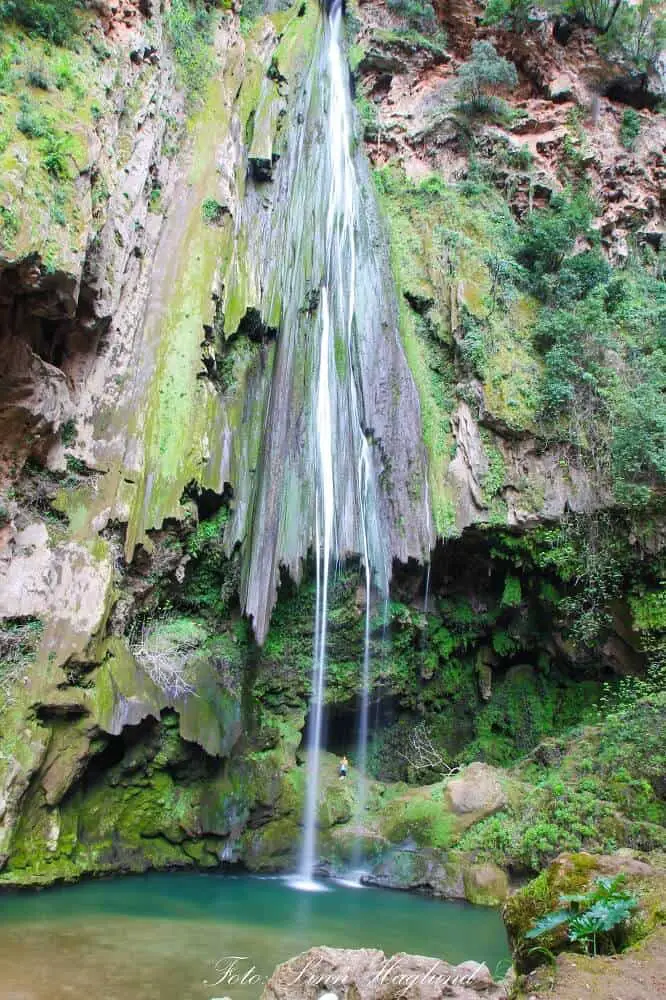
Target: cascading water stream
364, 715
339, 425
324, 511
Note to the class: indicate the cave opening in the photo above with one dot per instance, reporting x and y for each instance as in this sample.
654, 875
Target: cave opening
341, 723
633, 91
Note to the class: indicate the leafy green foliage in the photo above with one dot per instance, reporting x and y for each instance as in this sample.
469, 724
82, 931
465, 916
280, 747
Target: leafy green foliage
38, 77
473, 347
211, 210
367, 111
419, 14
637, 31
189, 24
57, 151
598, 917
514, 14
484, 75
630, 128
212, 580
602, 333
208, 533
556, 816
68, 433
57, 148
548, 236
250, 11
9, 226
55, 20
512, 593
598, 789
31, 121
386, 760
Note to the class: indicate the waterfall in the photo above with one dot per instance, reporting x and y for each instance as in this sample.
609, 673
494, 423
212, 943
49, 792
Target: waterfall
335, 463
339, 427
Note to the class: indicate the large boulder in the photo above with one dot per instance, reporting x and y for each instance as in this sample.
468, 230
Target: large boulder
367, 974
476, 793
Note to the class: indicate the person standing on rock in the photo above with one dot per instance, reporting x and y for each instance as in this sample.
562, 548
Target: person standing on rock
344, 765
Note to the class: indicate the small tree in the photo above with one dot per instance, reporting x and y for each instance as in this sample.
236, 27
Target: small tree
422, 754
483, 76
639, 32
599, 14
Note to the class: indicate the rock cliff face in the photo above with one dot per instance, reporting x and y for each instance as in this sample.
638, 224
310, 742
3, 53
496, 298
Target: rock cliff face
158, 297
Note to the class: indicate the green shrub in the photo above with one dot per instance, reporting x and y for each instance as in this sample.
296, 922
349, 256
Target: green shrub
473, 347
38, 77
212, 211
189, 25
57, 151
512, 593
387, 749
419, 14
549, 235
514, 14
68, 433
367, 112
75, 466
55, 20
31, 121
250, 11
8, 60
421, 819
601, 338
64, 71
9, 226
58, 205
483, 76
630, 128
559, 814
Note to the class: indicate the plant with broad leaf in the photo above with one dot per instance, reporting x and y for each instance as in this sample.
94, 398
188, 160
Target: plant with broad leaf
595, 918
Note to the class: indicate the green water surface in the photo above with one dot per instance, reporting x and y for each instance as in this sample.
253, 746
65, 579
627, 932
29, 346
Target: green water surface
174, 936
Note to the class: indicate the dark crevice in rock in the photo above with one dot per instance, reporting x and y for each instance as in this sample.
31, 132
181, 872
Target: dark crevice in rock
253, 327
69, 712
208, 502
633, 90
